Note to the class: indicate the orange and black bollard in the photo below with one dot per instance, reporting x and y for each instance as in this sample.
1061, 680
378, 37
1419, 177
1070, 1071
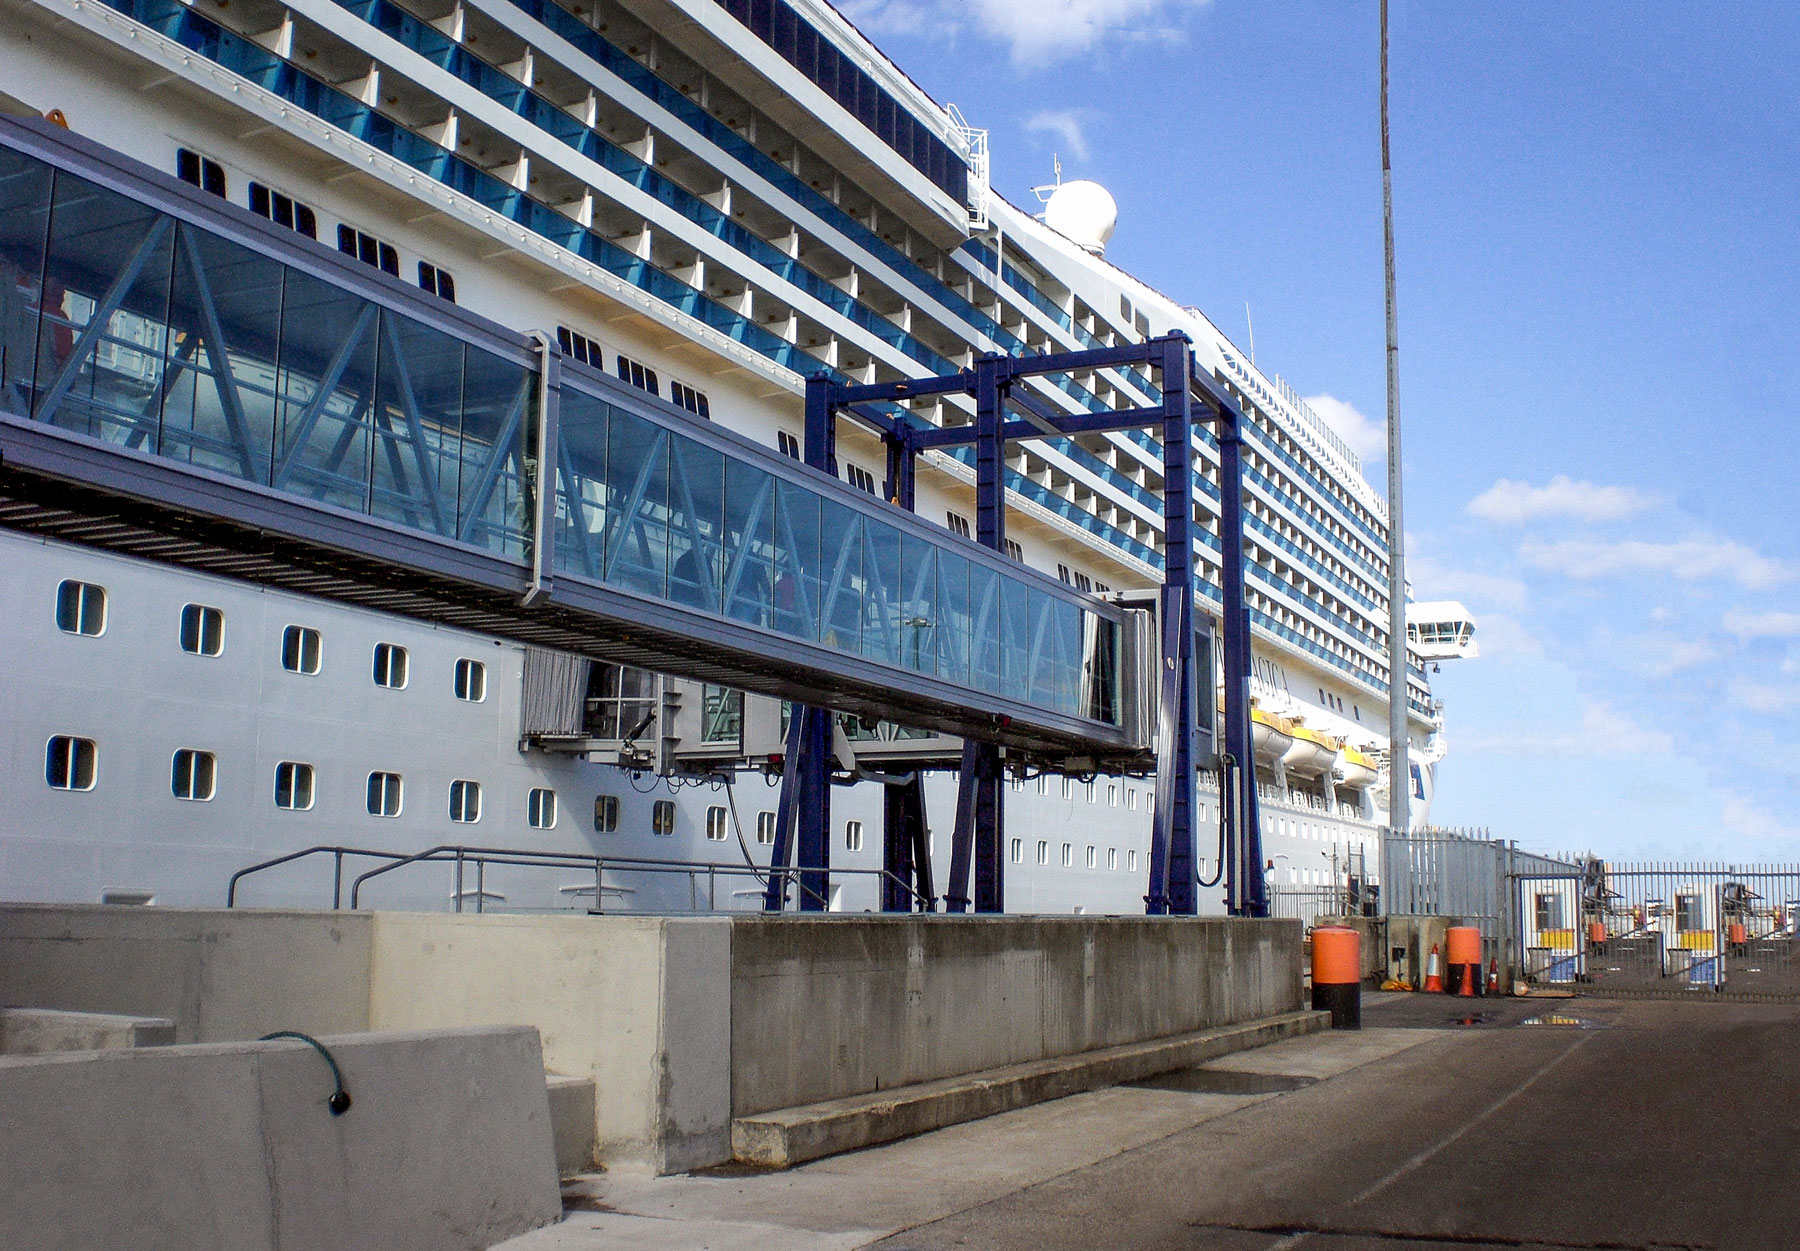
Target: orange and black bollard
1462, 952
1337, 975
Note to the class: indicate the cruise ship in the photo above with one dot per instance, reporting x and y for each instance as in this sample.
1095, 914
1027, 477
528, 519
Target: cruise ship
705, 202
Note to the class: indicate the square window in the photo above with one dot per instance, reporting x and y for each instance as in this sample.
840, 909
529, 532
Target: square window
1093, 858
465, 801
471, 681
853, 836
390, 666
662, 818
81, 608
293, 786
1068, 855
1043, 852
193, 774
606, 814
70, 763
540, 808
1112, 857
384, 794
1017, 851
715, 824
202, 630
300, 648
765, 829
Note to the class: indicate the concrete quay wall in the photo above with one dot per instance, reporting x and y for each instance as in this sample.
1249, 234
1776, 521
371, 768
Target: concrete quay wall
681, 1022
826, 1007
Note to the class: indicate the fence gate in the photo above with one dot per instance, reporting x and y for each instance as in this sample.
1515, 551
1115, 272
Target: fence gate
1678, 927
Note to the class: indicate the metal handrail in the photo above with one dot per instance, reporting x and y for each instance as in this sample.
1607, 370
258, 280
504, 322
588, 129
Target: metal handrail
337, 853
462, 855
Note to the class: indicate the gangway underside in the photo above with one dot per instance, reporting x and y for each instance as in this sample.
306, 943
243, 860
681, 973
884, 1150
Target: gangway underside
199, 386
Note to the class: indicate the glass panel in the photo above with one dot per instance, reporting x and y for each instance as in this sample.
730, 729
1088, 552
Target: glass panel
1100, 672
218, 407
918, 605
24, 219
326, 384
797, 531
1015, 638
749, 533
637, 513
105, 305
696, 511
984, 631
840, 572
417, 426
881, 592
581, 483
955, 618
491, 496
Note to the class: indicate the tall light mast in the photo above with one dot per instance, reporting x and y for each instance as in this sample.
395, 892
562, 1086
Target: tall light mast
1399, 775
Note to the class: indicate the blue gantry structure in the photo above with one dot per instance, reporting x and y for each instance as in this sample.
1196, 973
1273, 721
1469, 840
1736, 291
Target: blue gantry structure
183, 380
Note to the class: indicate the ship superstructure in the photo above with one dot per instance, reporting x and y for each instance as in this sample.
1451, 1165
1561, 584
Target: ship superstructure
711, 202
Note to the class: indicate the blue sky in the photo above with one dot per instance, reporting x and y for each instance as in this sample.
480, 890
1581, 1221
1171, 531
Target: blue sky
1598, 218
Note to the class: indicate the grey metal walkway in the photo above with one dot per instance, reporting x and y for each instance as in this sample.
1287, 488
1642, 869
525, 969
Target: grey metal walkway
183, 380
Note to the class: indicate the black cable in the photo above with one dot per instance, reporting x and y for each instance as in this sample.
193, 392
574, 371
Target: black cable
1225, 765
339, 1103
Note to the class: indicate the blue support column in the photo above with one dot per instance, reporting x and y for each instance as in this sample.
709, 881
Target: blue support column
1172, 867
813, 811
776, 892
1246, 890
981, 808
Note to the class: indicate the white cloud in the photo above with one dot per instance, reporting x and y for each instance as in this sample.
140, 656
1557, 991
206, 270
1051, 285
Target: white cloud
1041, 32
1063, 124
1690, 560
1604, 732
1743, 817
1660, 656
1513, 503
1762, 625
1612, 733
1045, 31
1760, 697
1477, 590
1366, 436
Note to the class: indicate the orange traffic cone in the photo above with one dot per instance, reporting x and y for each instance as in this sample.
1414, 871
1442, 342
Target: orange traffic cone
1494, 976
1434, 976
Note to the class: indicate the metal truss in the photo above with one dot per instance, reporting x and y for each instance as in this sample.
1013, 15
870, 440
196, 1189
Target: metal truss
1006, 411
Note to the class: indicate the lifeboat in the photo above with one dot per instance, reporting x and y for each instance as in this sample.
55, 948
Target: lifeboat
1311, 754
1356, 770
1270, 736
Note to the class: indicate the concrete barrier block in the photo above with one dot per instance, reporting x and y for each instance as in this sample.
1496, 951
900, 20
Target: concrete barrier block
447, 1145
220, 974
572, 1115
36, 1031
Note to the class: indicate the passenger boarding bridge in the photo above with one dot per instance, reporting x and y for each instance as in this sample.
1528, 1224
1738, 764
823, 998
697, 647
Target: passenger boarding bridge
185, 381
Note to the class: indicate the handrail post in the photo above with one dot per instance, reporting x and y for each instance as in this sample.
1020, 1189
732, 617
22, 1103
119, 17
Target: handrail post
459, 879
337, 878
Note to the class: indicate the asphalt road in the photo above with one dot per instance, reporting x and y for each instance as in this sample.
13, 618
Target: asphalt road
1535, 1124
1606, 1125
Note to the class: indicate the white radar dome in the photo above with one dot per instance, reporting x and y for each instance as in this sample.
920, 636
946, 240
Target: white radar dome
1083, 212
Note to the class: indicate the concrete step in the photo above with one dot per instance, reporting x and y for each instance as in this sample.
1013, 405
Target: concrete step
791, 1136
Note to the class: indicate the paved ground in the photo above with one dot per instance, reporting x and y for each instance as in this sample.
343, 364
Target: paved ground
1537, 1124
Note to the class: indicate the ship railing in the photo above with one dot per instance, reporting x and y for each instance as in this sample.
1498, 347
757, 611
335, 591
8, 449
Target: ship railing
471, 860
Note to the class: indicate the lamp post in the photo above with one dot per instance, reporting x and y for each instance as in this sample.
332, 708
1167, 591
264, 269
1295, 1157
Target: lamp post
1399, 775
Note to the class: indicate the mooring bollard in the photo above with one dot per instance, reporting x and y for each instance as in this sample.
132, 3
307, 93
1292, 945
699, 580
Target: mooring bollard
1462, 952
1337, 975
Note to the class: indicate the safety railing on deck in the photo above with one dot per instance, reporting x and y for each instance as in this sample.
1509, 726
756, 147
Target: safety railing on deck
475, 860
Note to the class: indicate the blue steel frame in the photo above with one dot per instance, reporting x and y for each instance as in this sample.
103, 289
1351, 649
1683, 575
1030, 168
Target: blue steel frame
994, 385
